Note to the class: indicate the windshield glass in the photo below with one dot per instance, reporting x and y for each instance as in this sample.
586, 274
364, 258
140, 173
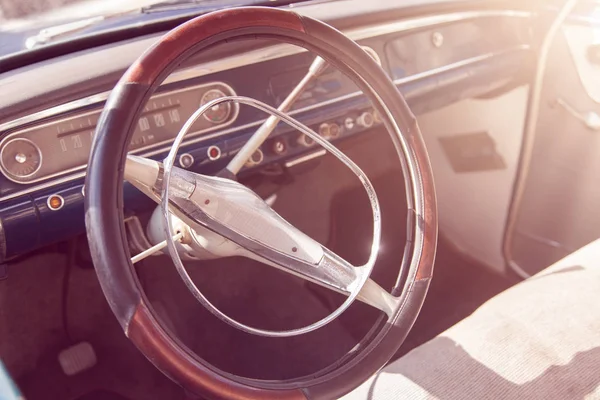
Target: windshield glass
23, 10
27, 24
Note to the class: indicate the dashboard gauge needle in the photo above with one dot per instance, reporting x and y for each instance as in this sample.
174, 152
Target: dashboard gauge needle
261, 134
154, 249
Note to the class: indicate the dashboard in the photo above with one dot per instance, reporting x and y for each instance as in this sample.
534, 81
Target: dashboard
433, 60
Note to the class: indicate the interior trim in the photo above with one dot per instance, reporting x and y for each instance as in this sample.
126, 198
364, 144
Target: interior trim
529, 133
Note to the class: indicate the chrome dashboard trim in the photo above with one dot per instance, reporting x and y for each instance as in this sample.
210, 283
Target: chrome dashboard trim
270, 53
303, 159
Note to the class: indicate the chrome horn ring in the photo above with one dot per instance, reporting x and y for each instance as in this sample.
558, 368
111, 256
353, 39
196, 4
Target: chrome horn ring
364, 271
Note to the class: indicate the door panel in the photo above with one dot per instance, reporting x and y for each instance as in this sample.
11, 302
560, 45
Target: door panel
560, 208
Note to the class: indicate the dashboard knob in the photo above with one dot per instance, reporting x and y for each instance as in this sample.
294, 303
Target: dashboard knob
256, 158
349, 123
55, 202
305, 141
334, 131
186, 160
324, 130
365, 120
279, 147
213, 153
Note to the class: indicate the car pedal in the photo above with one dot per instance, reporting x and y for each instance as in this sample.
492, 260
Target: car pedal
77, 358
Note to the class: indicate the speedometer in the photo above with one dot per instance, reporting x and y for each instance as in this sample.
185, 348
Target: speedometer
20, 158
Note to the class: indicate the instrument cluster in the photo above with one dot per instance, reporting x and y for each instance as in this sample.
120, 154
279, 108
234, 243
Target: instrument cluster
63, 145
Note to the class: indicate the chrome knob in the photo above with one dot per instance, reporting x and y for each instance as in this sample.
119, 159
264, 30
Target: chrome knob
349, 123
186, 160
365, 120
305, 141
256, 158
279, 147
334, 131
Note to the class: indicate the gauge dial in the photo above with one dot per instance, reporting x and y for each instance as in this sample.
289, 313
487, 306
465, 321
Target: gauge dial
20, 158
219, 113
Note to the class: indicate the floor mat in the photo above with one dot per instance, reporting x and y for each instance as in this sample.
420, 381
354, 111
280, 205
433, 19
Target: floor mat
458, 288
32, 333
254, 294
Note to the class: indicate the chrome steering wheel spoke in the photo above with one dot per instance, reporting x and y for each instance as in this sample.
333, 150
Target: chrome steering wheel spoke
236, 213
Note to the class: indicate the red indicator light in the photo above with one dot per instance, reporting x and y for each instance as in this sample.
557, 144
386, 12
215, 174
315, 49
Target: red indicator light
214, 153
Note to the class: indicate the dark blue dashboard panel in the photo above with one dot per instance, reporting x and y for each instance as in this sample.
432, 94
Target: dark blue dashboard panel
455, 73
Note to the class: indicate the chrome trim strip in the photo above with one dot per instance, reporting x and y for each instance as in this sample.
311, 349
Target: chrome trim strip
50, 112
303, 159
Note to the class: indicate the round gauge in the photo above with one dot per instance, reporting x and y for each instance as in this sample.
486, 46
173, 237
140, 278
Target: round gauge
20, 158
219, 113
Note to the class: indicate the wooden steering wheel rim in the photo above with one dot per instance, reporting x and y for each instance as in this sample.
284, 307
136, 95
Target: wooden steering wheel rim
104, 203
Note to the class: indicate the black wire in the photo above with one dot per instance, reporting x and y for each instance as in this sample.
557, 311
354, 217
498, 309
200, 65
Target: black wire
71, 253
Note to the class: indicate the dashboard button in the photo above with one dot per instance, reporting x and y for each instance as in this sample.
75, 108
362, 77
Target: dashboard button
55, 202
334, 131
213, 153
365, 120
256, 158
279, 147
186, 160
324, 130
349, 123
305, 141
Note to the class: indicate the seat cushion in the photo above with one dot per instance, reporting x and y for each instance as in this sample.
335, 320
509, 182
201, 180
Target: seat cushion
537, 340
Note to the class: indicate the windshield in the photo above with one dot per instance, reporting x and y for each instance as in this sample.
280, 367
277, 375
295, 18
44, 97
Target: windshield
28, 24
24, 10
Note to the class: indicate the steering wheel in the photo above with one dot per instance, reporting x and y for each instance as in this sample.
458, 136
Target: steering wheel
193, 200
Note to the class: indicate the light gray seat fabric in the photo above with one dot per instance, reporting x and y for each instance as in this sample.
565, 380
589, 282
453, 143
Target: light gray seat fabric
538, 340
